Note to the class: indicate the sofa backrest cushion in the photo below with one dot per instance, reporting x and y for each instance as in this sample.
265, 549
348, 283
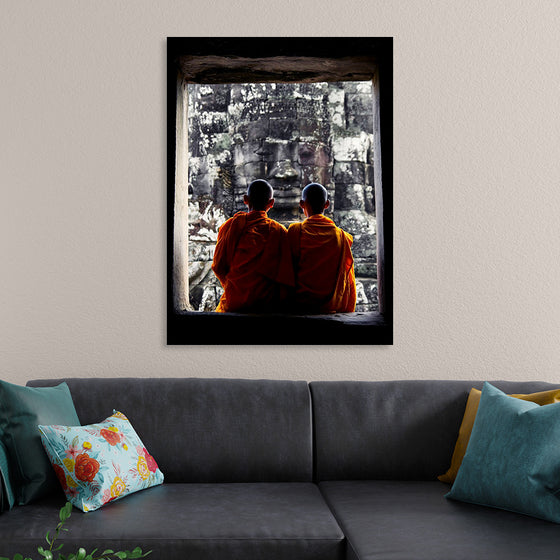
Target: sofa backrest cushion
401, 430
208, 430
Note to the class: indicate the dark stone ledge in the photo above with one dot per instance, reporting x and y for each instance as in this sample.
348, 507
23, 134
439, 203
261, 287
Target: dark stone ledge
358, 328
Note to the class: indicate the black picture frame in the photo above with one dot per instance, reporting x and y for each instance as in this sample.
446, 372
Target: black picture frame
204, 328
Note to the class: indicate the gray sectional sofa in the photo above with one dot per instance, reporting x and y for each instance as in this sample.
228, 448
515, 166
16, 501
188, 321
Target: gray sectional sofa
270, 470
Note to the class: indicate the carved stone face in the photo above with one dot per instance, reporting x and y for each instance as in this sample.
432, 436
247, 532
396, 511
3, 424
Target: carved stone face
287, 165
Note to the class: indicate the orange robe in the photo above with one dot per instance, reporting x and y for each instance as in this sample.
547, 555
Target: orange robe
253, 263
324, 266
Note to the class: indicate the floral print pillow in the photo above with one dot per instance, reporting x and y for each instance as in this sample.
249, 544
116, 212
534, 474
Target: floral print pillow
99, 463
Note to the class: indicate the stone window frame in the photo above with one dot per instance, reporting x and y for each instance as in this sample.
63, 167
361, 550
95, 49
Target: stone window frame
253, 60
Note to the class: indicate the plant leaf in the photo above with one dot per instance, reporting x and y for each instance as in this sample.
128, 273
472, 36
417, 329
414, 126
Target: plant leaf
47, 554
105, 552
121, 555
18, 557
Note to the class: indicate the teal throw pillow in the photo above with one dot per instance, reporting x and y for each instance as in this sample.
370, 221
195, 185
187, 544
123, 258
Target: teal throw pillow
6, 488
99, 463
512, 460
21, 410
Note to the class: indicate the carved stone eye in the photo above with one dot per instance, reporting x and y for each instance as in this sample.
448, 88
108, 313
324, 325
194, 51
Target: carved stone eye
307, 155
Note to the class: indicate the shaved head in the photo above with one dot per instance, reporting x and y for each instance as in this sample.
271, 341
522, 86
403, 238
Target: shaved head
316, 196
259, 193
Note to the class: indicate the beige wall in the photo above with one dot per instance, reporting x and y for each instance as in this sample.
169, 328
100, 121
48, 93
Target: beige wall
476, 189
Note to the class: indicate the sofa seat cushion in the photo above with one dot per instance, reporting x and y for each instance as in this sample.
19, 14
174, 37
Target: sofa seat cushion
192, 521
412, 520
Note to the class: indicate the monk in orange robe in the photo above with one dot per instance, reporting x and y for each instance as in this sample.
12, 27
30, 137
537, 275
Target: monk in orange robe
252, 258
322, 256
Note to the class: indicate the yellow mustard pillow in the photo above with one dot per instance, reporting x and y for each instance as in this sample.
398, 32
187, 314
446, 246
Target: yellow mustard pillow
541, 398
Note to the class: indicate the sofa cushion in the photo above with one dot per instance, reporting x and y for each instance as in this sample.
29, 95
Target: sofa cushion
276, 521
21, 409
400, 430
209, 430
99, 463
513, 457
411, 520
7, 496
541, 398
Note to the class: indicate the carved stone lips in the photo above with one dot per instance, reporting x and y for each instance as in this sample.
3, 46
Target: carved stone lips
287, 195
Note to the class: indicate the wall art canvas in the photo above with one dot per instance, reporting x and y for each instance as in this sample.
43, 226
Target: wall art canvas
247, 115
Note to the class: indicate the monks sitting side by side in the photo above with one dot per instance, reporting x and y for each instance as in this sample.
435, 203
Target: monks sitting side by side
322, 256
252, 258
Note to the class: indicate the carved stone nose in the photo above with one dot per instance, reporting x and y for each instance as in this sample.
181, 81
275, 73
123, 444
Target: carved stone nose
283, 171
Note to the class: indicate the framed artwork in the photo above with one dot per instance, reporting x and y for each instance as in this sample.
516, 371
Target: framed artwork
292, 111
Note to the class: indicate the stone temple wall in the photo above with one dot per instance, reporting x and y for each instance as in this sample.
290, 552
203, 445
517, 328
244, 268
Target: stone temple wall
290, 135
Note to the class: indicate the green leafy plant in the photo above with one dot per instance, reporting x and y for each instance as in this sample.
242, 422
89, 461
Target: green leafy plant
81, 554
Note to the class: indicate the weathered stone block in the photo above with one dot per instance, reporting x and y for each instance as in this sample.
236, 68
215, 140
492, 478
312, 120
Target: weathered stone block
311, 109
201, 184
314, 174
336, 95
359, 122
350, 196
349, 87
213, 122
355, 222
202, 252
215, 100
349, 172
314, 89
270, 108
359, 104
210, 297
239, 181
283, 129
245, 153
317, 130
257, 130
314, 154
205, 218
366, 295
257, 170
369, 174
365, 246
220, 145
351, 148
369, 197
364, 267
196, 142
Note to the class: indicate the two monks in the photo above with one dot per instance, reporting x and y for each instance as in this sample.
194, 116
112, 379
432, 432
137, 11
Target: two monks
265, 268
